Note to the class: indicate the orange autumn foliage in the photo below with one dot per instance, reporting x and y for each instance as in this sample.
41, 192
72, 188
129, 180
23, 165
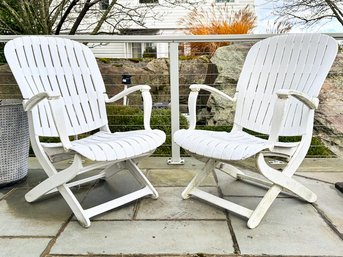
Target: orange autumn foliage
217, 20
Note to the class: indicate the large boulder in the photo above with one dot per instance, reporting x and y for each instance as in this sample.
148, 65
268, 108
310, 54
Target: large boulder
329, 116
155, 72
229, 62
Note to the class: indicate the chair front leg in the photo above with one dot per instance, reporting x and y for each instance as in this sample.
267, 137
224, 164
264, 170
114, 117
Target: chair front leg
74, 205
263, 206
196, 181
55, 180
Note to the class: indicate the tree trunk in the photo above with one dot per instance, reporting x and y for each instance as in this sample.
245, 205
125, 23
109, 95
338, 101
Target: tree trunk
103, 18
64, 16
82, 14
336, 11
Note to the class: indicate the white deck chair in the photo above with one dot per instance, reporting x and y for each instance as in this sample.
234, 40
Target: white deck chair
276, 95
64, 95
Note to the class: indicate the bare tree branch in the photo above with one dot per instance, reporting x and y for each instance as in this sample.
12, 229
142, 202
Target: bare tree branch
308, 12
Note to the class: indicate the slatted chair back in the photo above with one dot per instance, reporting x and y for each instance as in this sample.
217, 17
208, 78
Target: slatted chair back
272, 65
65, 67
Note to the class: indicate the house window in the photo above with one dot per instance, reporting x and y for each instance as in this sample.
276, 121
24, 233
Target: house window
145, 50
150, 50
225, 1
148, 1
137, 50
104, 4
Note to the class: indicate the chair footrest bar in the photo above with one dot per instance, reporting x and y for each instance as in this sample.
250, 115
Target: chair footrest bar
117, 202
254, 180
80, 182
262, 183
222, 203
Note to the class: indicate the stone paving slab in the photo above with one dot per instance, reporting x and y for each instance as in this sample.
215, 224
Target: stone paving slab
34, 177
4, 191
115, 186
176, 177
330, 201
290, 227
321, 165
42, 218
171, 206
232, 187
20, 247
308, 164
329, 177
145, 237
125, 212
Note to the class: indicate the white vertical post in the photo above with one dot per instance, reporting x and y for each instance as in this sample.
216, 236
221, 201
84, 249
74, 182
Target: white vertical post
174, 101
125, 97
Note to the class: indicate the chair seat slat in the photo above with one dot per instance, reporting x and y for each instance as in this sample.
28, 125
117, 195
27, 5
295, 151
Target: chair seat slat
123, 145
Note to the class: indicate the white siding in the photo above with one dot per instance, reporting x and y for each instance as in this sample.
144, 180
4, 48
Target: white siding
169, 17
111, 50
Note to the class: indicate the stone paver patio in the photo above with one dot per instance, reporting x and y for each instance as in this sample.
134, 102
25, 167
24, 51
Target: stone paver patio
170, 226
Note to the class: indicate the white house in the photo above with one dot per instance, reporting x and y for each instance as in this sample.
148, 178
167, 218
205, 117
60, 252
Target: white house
166, 21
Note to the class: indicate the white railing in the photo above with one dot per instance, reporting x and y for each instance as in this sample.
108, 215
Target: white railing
173, 42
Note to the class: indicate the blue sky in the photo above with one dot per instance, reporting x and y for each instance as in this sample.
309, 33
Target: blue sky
264, 9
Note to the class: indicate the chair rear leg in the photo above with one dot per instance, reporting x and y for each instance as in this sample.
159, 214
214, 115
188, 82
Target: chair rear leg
138, 174
231, 170
283, 179
196, 181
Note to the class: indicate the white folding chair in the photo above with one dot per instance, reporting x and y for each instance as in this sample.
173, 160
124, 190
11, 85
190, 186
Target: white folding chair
276, 95
65, 95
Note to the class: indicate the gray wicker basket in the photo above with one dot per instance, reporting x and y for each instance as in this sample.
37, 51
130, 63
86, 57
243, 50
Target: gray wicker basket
14, 142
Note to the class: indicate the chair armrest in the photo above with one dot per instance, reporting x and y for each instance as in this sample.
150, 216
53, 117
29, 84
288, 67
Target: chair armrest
33, 101
147, 101
310, 102
279, 109
198, 87
57, 110
192, 100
